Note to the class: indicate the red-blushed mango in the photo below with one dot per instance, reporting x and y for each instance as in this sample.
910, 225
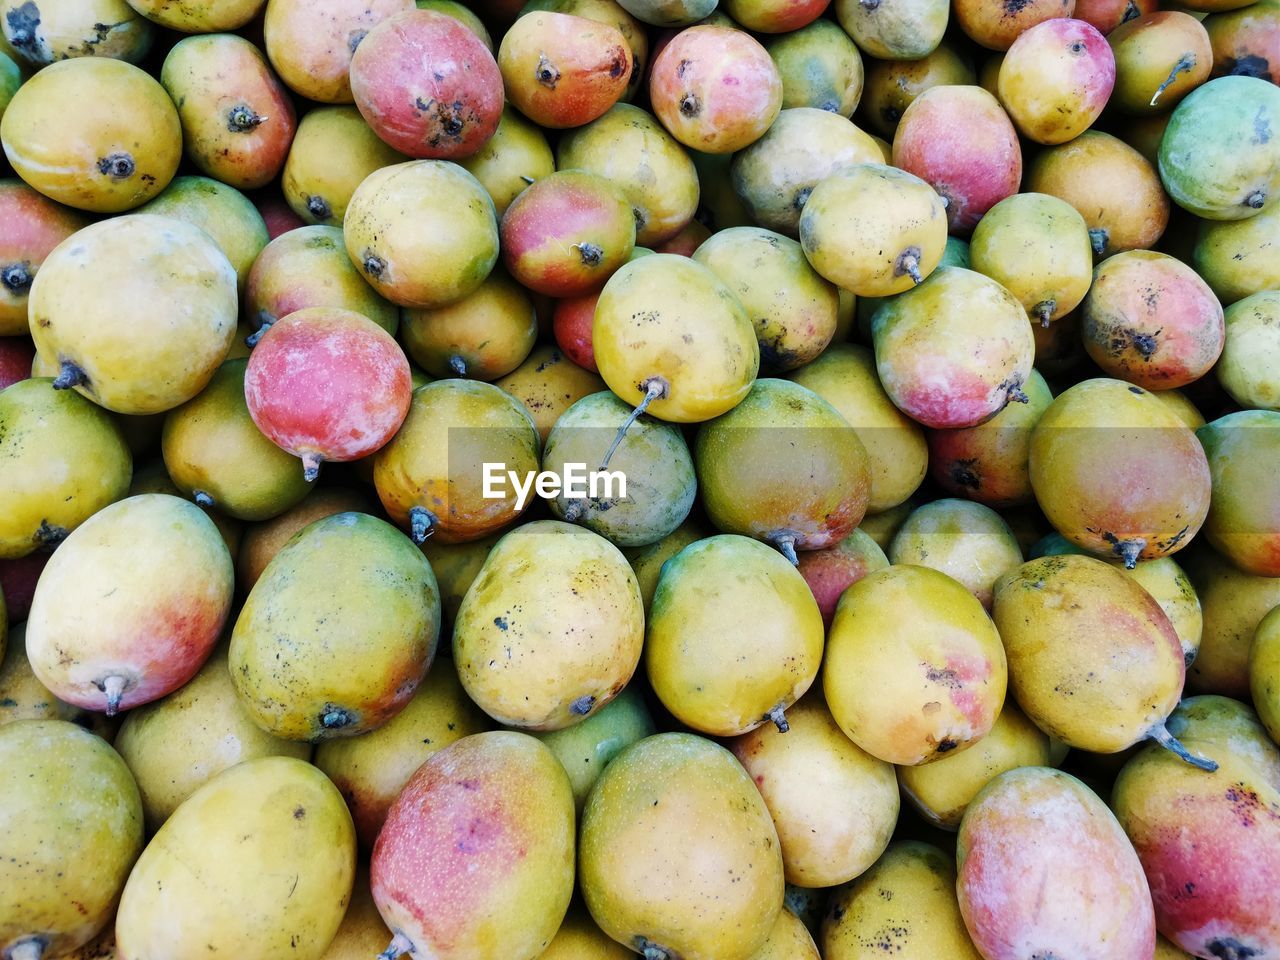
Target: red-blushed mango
278, 887
338, 632
1250, 360
904, 905
101, 161
1151, 320
833, 805
1239, 258
1045, 869
131, 604
647, 561
198, 16
1159, 59
68, 849
715, 89
483, 336
968, 542
1245, 41
34, 226
62, 29
831, 571
1227, 905
548, 384
430, 477
262, 541
1118, 473
423, 233
820, 66
894, 31
476, 859
571, 323
333, 150
327, 384
687, 241
563, 70
996, 25
774, 16
1244, 511
1110, 184
615, 15
914, 668
370, 770
893, 84
427, 85
311, 42
1055, 79
1106, 15
677, 812
237, 118
516, 155
769, 625
955, 350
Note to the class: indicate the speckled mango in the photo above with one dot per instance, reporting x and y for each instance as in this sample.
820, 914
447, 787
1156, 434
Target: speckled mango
42, 33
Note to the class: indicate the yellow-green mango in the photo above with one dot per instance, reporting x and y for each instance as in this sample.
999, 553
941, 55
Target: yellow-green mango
677, 812
820, 66
456, 566
24, 697
256, 864
580, 939
833, 805
54, 30
548, 384
154, 478
882, 527
551, 630
904, 906
1244, 512
902, 30
199, 16
765, 622
892, 85
372, 769
62, 459
338, 631
1264, 672
362, 934
788, 940
1232, 603
647, 561
516, 155
968, 542
1160, 58
179, 743
1250, 361
262, 541
70, 830
332, 152
1239, 258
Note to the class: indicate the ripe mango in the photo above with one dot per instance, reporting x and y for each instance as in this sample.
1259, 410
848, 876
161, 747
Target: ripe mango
892, 85
333, 150
548, 384
1056, 79
257, 863
647, 561
895, 31
1238, 258
262, 541
362, 934
1244, 511
483, 336
968, 542
831, 571
198, 16
1159, 58
820, 66
456, 566
516, 155
53, 30
580, 939
35, 226
1264, 672
1233, 603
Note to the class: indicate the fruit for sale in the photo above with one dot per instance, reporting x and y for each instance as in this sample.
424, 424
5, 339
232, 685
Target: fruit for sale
670, 336
308, 663
1160, 58
431, 476
997, 26
1219, 158
1252, 352
332, 152
179, 743
1239, 258
1110, 184
491, 815
820, 67
1172, 812
1044, 867
1264, 672
647, 562
67, 847
831, 571
612, 14
774, 176
423, 233
914, 668
1232, 604
548, 384
516, 155
91, 159
371, 770
311, 44
549, 662
1244, 41
894, 31
833, 805
262, 541
579, 937
1055, 79
483, 336
968, 542
893, 84
874, 230
237, 118
62, 459
59, 30
907, 902
1106, 15
1244, 511
278, 886
715, 89
955, 350
191, 16
35, 225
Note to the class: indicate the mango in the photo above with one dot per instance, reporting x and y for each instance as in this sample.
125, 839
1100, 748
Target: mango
669, 13
647, 562
91, 159
1243, 41
677, 812
833, 805
548, 384
1106, 15
279, 885
67, 849
59, 30
456, 566
1055, 79
1159, 58
549, 664
895, 31
820, 66
1232, 604
580, 939
154, 478
573, 317
491, 814
905, 904
309, 664
1239, 258
788, 940
968, 542
1251, 353
516, 155
35, 226
333, 150
177, 744
1264, 672
262, 541
767, 622
483, 336
24, 697
1244, 510
914, 668
831, 571
1226, 908
362, 934
892, 85
1043, 866
198, 16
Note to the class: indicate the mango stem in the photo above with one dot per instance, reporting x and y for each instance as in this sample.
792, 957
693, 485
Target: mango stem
458, 365
311, 467
1185, 62
69, 375
1161, 735
786, 545
399, 946
1127, 550
1044, 310
1098, 238
202, 499
908, 262
422, 523
778, 719
1256, 200
30, 949
113, 686
651, 951
655, 388
252, 339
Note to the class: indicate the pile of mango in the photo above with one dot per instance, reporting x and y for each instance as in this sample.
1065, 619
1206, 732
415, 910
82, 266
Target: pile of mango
937, 343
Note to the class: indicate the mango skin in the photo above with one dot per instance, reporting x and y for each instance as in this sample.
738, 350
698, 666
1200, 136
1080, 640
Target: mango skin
911, 689
278, 887
1168, 48
476, 859
834, 806
548, 384
1244, 512
677, 812
766, 621
517, 149
56, 30
62, 459
1172, 813
968, 542
67, 849
95, 160
1055, 79
831, 571
1043, 865
1264, 673
1239, 258
262, 541
1232, 603
1247, 368
198, 16
647, 561
900, 31
362, 934
905, 903
338, 631
35, 226
820, 66
456, 567
580, 939
333, 150
551, 629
